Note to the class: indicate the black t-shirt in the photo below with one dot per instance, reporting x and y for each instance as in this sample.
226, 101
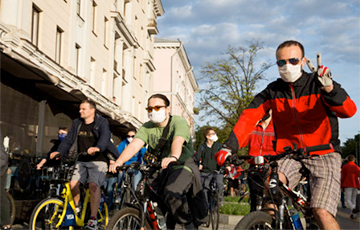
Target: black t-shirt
87, 139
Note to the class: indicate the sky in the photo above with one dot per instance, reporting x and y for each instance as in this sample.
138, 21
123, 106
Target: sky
329, 27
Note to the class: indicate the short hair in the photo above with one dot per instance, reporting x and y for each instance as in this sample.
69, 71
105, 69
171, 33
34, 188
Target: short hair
291, 43
63, 128
351, 158
160, 96
131, 130
90, 102
206, 131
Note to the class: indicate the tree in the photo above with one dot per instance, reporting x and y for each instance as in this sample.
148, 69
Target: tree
352, 146
231, 83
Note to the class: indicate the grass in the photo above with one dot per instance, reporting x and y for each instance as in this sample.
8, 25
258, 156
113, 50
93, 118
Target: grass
232, 207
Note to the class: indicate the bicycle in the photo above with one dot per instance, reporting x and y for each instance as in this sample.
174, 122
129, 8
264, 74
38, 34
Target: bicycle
11, 208
213, 201
59, 211
125, 196
283, 215
142, 212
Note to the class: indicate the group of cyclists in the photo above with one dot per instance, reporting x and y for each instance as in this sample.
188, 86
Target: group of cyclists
304, 108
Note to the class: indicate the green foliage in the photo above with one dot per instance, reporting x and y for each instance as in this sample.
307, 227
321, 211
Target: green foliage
232, 207
228, 84
352, 147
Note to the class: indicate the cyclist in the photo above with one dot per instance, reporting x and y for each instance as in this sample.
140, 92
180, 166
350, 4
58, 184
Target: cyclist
206, 156
260, 142
62, 132
181, 179
305, 108
90, 133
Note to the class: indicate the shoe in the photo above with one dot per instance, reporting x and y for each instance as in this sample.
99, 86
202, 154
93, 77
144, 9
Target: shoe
92, 224
343, 206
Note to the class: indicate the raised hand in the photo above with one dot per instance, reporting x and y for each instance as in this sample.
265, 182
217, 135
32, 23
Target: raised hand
323, 73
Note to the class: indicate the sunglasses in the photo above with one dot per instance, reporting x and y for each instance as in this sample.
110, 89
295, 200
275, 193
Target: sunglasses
293, 61
130, 136
156, 108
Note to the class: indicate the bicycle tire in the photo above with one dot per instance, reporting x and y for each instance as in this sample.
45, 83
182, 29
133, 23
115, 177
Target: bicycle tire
127, 218
12, 207
255, 220
215, 211
49, 208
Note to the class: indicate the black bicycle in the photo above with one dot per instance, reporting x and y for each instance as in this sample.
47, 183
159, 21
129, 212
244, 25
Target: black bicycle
213, 201
142, 212
283, 215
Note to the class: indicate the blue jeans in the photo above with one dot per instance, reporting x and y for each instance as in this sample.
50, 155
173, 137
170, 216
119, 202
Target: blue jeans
109, 187
135, 179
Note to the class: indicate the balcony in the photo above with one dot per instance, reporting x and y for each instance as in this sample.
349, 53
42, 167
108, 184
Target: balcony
152, 26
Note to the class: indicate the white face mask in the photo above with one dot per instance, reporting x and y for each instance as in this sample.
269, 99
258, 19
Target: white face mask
130, 139
157, 116
213, 138
290, 73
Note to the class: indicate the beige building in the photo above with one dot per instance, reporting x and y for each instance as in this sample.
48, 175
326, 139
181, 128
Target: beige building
56, 53
175, 78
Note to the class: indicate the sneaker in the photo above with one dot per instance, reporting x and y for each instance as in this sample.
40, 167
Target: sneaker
92, 224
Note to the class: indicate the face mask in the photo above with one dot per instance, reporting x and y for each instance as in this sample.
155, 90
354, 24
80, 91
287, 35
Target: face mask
290, 73
157, 116
61, 136
130, 139
213, 138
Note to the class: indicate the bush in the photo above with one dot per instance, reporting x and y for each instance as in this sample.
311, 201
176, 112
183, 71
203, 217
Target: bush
235, 209
232, 207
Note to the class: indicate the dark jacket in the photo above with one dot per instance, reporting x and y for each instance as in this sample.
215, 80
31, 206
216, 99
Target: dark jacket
302, 114
206, 156
101, 132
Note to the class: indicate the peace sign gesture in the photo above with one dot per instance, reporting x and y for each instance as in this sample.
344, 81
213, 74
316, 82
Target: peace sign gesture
323, 73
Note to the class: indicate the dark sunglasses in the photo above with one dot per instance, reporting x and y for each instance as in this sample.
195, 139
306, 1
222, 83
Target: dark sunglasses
293, 61
130, 136
156, 108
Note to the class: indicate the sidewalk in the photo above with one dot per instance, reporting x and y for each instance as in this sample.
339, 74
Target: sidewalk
226, 222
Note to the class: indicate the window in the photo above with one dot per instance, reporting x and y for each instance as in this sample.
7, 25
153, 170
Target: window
103, 82
77, 64
106, 29
59, 32
134, 68
35, 25
92, 71
78, 7
93, 23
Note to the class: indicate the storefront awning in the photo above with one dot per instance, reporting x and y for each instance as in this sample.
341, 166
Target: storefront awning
24, 69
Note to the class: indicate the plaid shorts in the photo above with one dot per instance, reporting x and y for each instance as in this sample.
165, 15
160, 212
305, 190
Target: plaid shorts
92, 171
325, 174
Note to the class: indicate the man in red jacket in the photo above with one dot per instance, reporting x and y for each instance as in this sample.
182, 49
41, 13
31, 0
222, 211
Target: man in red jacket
305, 110
350, 182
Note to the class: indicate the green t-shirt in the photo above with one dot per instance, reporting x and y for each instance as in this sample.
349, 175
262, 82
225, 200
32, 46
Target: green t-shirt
150, 133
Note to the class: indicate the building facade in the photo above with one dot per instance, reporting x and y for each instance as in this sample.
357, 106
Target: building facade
56, 53
175, 78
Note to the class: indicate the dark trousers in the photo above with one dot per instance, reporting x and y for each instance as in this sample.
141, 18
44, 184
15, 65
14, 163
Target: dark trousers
4, 203
176, 184
256, 183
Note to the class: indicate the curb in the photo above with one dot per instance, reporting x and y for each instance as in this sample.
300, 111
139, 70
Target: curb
230, 219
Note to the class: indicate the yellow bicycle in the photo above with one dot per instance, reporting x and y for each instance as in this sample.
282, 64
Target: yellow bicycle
58, 212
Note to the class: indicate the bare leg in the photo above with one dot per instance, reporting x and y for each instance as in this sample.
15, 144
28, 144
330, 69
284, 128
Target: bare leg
95, 195
326, 220
75, 191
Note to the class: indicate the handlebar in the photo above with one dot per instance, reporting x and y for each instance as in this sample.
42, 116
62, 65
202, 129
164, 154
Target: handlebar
294, 152
138, 166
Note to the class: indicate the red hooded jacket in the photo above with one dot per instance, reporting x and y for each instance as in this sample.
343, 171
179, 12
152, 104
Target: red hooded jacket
350, 175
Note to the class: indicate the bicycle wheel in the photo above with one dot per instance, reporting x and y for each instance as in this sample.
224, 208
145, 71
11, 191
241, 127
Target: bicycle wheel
12, 207
215, 211
127, 218
46, 214
103, 216
255, 220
